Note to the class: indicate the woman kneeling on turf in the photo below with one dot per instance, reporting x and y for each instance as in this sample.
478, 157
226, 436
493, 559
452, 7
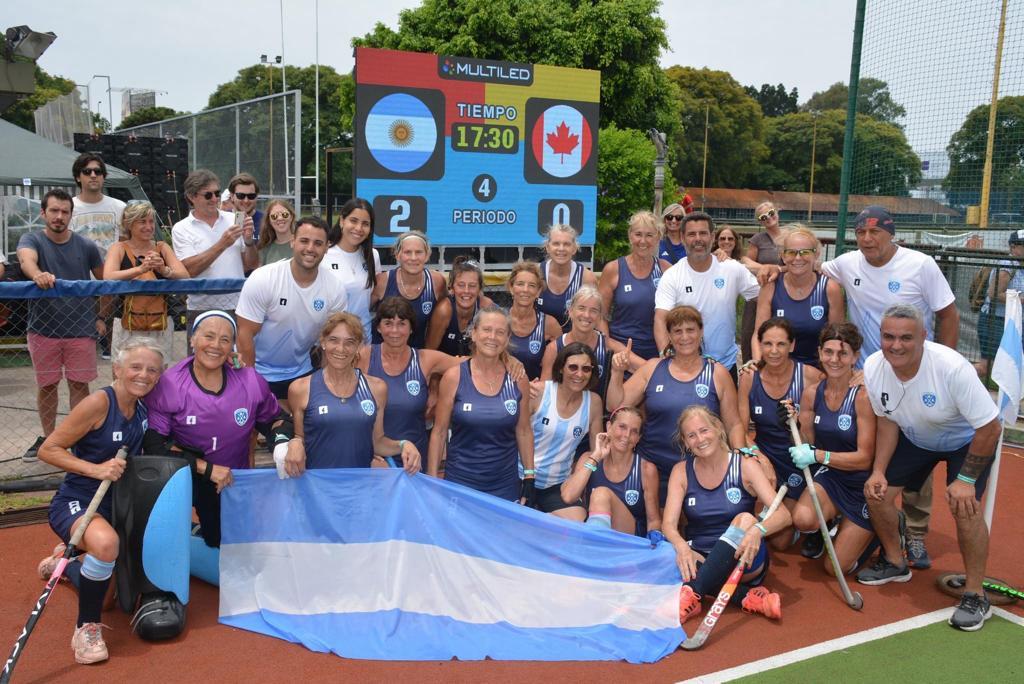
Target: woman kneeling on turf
85, 444
713, 493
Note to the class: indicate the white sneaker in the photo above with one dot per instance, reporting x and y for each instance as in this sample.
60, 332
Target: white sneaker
88, 644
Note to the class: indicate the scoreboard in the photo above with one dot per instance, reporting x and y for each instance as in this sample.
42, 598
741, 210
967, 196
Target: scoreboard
475, 151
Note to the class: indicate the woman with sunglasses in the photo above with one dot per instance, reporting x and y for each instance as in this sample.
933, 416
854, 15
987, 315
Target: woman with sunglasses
729, 242
562, 275
353, 259
671, 247
451, 319
276, 231
419, 285
763, 248
532, 329
808, 300
628, 285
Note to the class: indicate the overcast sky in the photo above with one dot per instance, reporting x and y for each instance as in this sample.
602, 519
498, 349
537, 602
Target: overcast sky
188, 47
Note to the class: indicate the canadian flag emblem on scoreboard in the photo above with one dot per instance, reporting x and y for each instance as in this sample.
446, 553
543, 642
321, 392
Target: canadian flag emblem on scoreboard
562, 142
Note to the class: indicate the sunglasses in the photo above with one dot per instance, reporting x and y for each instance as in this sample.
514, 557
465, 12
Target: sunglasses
93, 171
210, 195
798, 252
674, 217
576, 368
726, 238
247, 195
766, 215
280, 215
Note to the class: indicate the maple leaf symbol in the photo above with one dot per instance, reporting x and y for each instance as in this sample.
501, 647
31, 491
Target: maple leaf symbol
562, 142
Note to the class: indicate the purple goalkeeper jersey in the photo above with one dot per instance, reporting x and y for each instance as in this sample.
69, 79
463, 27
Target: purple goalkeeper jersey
219, 424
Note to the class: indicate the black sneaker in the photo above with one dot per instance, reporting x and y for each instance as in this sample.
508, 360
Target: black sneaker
31, 454
814, 545
972, 612
883, 572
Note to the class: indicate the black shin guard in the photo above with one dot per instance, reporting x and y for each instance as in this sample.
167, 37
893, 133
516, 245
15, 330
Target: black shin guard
715, 569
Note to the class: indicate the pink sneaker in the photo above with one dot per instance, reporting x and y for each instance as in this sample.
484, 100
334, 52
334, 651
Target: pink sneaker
689, 604
49, 564
764, 601
88, 644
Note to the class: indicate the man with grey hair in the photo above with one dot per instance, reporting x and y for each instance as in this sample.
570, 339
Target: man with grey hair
210, 245
931, 407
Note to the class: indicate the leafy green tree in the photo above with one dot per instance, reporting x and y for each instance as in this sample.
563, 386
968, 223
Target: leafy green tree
967, 157
147, 115
735, 129
47, 88
873, 99
100, 123
883, 161
774, 100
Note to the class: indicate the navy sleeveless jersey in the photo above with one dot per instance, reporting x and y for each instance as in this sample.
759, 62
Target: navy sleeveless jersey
807, 316
633, 312
604, 359
557, 305
709, 512
530, 349
482, 451
339, 431
103, 443
837, 431
630, 491
664, 399
422, 307
670, 252
407, 400
773, 437
455, 342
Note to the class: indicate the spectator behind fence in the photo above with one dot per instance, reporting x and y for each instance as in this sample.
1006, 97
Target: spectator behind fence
210, 245
61, 331
276, 229
244, 191
138, 256
1007, 275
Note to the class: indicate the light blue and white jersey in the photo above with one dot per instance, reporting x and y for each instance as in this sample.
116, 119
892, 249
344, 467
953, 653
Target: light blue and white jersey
555, 438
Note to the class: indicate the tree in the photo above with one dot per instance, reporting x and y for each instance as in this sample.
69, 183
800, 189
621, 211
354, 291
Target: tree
735, 132
774, 100
100, 123
147, 115
966, 151
873, 99
47, 88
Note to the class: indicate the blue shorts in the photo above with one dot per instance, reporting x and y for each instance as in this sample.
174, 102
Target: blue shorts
66, 508
788, 474
911, 465
846, 491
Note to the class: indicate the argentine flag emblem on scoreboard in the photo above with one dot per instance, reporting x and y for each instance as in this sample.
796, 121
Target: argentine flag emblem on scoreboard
373, 563
562, 141
400, 132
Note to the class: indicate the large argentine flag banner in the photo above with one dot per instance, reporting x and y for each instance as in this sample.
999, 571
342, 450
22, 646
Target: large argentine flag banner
372, 563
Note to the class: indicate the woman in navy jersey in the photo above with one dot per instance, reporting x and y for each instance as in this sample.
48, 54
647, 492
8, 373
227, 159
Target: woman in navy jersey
85, 444
623, 488
671, 247
586, 311
838, 428
628, 285
532, 329
447, 331
711, 500
808, 300
562, 276
339, 410
667, 386
489, 417
413, 281
778, 378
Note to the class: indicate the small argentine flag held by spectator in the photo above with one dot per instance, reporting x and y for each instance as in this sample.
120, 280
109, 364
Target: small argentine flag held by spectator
373, 563
1008, 373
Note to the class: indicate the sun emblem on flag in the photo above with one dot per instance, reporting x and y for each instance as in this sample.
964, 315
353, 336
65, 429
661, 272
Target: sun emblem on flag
401, 133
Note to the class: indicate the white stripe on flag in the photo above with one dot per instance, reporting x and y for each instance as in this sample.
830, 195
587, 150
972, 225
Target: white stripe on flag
1008, 368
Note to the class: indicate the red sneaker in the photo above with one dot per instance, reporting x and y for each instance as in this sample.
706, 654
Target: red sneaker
689, 604
761, 600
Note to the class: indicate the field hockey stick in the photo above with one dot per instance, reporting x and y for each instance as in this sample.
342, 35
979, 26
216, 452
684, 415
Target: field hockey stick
728, 589
58, 572
1000, 593
853, 599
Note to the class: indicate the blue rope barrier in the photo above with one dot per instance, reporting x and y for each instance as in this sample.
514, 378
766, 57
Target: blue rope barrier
92, 288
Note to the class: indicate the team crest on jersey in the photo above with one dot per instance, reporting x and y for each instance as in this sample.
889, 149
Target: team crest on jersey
241, 416
145, 424
534, 346
577, 432
929, 399
368, 407
512, 406
600, 371
733, 495
894, 286
702, 390
627, 288
719, 283
318, 305
845, 421
427, 307
817, 312
655, 281
632, 496
413, 387
794, 480
864, 512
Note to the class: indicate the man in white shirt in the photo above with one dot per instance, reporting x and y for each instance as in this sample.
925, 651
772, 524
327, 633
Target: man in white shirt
210, 245
931, 407
710, 286
283, 306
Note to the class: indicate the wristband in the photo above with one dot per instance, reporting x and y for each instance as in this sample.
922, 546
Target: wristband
592, 467
764, 530
749, 451
964, 478
828, 457
529, 471
401, 445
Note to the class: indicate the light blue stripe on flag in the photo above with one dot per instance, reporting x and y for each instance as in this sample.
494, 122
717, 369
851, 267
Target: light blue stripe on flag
1008, 367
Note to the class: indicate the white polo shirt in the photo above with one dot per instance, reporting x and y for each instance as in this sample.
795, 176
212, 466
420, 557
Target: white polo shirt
290, 316
351, 272
940, 407
191, 236
713, 293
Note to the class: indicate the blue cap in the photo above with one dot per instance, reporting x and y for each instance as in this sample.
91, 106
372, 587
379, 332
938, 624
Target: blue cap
876, 216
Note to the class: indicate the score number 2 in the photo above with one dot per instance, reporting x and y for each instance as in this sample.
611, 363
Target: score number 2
397, 214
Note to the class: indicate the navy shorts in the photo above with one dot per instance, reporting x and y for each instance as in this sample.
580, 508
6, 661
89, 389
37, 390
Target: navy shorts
911, 465
549, 500
279, 388
788, 474
66, 508
846, 491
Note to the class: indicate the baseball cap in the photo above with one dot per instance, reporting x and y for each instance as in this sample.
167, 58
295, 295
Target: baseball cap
875, 215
